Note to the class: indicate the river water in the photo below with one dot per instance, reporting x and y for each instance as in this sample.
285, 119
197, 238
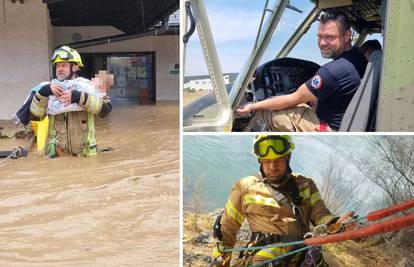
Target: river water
119, 208
212, 163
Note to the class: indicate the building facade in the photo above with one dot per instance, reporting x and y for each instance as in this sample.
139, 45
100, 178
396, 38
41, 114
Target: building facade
144, 67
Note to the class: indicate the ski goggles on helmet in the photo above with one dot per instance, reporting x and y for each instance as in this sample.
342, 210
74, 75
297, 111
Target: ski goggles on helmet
264, 145
62, 54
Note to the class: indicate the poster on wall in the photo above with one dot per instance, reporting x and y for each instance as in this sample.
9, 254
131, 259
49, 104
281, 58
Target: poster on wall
174, 69
133, 77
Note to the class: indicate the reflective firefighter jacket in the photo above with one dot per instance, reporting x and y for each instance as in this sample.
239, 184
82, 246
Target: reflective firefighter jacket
269, 211
71, 132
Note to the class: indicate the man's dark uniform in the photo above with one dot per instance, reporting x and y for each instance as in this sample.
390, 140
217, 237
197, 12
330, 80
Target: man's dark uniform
335, 84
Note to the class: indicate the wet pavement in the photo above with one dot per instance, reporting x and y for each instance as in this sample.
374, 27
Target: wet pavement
119, 208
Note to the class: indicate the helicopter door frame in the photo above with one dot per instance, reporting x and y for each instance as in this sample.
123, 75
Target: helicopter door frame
396, 97
223, 121
228, 103
247, 71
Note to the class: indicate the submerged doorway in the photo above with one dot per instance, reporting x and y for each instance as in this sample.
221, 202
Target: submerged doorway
134, 74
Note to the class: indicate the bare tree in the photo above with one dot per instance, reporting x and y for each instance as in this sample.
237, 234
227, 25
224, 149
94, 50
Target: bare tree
340, 191
390, 165
197, 203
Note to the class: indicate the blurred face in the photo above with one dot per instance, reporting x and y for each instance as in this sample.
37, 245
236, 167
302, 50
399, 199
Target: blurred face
274, 169
63, 70
331, 41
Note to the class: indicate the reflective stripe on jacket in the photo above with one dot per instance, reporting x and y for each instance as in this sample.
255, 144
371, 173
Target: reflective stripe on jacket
74, 131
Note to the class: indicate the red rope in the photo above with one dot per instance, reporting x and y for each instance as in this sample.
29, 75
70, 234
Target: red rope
379, 214
378, 228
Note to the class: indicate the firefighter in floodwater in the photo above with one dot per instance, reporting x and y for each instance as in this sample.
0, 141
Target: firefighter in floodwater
279, 206
70, 132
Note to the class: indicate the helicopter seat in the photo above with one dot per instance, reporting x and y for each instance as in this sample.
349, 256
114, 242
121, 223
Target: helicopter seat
360, 116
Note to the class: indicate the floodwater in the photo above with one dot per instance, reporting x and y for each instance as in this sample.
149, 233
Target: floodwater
119, 208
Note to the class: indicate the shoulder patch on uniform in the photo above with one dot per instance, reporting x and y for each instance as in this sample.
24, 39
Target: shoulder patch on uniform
316, 82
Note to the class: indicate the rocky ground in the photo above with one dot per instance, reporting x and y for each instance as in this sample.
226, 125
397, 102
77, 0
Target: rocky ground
395, 249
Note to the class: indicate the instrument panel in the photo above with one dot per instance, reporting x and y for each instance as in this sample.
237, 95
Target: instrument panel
281, 76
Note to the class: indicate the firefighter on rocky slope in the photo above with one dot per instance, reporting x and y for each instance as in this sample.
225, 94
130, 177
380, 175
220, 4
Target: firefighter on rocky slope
279, 206
70, 132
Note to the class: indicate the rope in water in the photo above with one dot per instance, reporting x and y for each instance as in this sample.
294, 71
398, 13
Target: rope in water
14, 153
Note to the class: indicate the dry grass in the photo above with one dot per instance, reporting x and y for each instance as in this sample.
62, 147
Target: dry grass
353, 254
190, 97
195, 224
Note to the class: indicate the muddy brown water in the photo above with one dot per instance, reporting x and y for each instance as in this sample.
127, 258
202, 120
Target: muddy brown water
116, 209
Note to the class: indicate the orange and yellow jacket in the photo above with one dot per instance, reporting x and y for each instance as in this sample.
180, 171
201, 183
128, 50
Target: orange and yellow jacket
269, 211
73, 132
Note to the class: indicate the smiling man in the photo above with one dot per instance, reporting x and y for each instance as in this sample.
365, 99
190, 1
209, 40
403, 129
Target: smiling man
331, 88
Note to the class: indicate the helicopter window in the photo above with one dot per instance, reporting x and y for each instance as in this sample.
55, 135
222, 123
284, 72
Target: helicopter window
289, 22
233, 40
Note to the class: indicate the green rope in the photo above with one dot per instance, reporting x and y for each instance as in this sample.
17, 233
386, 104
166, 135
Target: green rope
264, 247
281, 256
281, 245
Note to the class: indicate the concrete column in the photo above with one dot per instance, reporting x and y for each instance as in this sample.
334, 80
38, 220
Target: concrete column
25, 34
168, 54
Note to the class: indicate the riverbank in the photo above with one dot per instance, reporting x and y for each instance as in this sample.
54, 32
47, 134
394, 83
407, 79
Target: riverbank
395, 249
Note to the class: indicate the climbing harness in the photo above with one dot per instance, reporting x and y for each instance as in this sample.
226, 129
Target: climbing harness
291, 192
281, 256
313, 257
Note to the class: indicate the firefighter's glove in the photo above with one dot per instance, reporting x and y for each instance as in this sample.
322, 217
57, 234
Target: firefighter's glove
219, 258
46, 90
75, 97
342, 224
319, 230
